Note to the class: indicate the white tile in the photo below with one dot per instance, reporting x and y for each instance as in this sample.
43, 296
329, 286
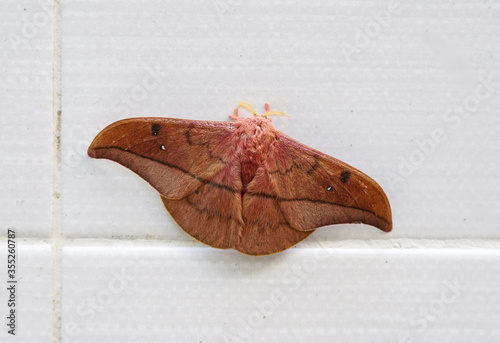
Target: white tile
362, 81
366, 82
32, 294
189, 295
26, 116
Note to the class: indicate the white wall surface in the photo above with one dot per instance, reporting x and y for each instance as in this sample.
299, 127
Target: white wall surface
406, 91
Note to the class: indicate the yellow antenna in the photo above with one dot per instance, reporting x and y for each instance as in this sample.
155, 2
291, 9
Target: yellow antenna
273, 113
247, 107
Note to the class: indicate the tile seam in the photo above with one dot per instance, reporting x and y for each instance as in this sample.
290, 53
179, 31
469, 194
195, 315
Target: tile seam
388, 244
56, 231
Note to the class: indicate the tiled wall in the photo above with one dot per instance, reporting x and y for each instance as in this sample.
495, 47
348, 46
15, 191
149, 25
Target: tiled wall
407, 92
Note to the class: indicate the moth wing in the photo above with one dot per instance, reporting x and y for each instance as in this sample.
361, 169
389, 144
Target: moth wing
314, 189
266, 229
212, 213
175, 156
190, 163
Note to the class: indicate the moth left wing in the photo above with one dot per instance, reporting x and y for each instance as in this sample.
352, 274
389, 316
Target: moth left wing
175, 156
192, 164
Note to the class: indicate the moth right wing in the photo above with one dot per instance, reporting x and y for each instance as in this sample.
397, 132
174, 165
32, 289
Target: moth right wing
297, 190
315, 189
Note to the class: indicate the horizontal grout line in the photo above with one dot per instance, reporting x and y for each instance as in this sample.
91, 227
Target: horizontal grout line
396, 244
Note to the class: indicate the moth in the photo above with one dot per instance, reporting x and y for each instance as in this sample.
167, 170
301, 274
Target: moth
242, 184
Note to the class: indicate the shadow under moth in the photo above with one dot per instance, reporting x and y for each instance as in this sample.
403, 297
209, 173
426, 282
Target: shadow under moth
242, 184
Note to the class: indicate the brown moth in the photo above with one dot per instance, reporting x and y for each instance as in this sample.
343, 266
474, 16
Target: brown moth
242, 184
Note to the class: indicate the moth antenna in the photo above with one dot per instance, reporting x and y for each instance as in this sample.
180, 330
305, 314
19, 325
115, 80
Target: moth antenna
275, 113
246, 106
235, 115
272, 113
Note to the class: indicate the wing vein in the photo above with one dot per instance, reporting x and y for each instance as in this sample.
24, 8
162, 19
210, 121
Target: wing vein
173, 166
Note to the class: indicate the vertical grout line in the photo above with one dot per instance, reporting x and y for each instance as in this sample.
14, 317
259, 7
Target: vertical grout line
56, 231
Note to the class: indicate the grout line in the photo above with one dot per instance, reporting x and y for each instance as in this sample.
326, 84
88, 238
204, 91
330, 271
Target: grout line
56, 231
373, 244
